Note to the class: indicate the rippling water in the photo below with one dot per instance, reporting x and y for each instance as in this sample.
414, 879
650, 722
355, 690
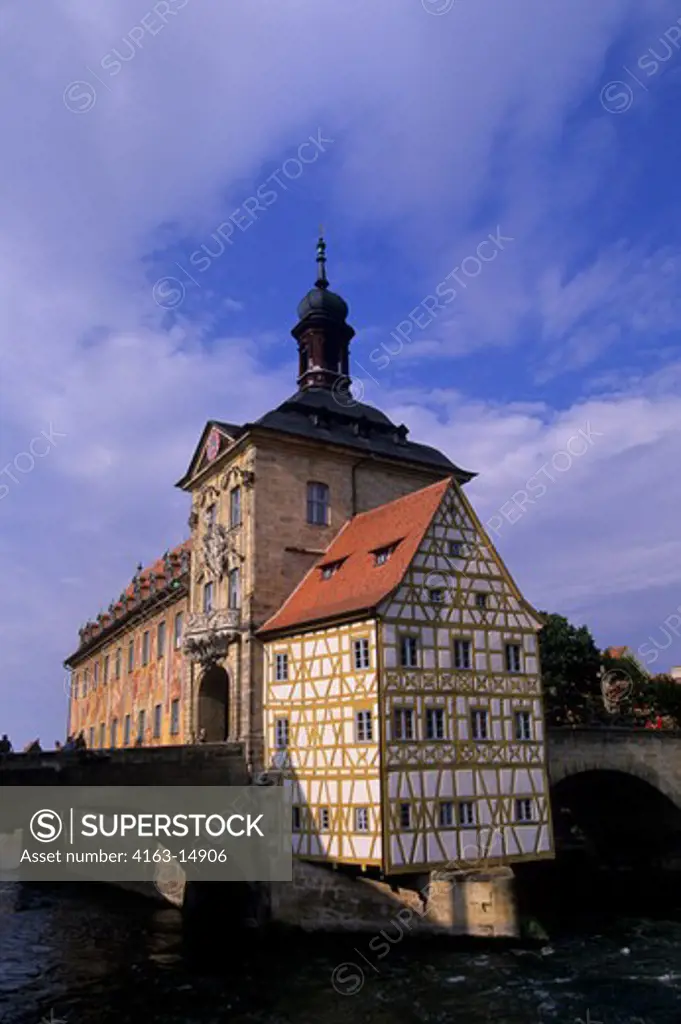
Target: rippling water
92, 955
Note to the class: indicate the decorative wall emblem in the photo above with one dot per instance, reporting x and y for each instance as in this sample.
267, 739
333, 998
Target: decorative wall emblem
213, 444
216, 550
207, 635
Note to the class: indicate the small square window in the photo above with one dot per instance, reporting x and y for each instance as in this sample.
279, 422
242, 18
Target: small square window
479, 723
466, 812
446, 814
158, 711
360, 649
523, 725
281, 667
409, 651
436, 595
382, 555
462, 654
513, 658
364, 727
324, 819
455, 549
480, 600
435, 723
405, 816
361, 819
524, 810
281, 733
296, 819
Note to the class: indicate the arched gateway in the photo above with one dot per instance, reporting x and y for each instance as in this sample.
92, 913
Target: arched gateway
213, 709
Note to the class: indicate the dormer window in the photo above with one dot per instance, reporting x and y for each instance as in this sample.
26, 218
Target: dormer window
330, 569
381, 555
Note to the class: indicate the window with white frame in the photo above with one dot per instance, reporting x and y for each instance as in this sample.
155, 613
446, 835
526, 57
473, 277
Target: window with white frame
403, 723
466, 812
317, 504
405, 815
281, 666
281, 733
445, 814
409, 651
235, 507
513, 658
364, 728
361, 819
462, 654
523, 725
360, 653
524, 809
435, 723
480, 724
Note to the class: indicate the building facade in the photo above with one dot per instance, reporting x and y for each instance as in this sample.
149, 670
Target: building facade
404, 696
409, 718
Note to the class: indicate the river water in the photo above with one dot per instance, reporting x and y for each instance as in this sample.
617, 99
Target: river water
92, 955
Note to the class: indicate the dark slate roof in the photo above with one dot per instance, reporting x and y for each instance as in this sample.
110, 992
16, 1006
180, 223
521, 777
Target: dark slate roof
321, 415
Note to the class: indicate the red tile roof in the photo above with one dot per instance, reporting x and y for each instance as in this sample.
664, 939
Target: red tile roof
359, 584
616, 652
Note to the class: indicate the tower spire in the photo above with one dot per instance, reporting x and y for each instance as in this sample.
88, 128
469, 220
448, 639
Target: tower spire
322, 280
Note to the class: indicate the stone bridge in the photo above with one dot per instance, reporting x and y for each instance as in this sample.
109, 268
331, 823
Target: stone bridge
650, 755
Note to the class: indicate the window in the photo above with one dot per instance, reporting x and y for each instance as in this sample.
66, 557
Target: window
436, 595
75, 683
466, 812
523, 810
360, 653
403, 723
92, 736
435, 723
207, 597
445, 814
114, 733
131, 655
409, 651
177, 631
364, 728
126, 732
102, 735
324, 819
281, 733
85, 682
317, 504
105, 678
281, 667
479, 725
462, 654
157, 721
161, 639
95, 674
382, 555
234, 589
330, 569
513, 663
141, 723
361, 819
405, 815
146, 647
174, 717
523, 725
480, 600
235, 506
211, 514
119, 659
296, 819
455, 549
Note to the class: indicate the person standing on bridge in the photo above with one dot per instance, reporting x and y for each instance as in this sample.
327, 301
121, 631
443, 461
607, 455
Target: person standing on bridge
5, 744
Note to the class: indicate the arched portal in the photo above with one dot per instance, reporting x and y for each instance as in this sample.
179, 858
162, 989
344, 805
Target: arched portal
213, 710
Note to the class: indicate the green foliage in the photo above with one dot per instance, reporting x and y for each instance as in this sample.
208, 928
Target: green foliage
571, 665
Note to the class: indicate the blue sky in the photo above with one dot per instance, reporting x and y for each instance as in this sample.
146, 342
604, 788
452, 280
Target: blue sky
132, 133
